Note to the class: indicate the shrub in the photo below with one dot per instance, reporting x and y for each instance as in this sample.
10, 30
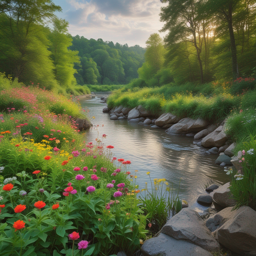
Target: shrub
241, 85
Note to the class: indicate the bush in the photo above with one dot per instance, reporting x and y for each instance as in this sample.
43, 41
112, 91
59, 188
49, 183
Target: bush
241, 86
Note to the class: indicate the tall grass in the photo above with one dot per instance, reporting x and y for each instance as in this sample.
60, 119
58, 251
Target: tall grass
105, 88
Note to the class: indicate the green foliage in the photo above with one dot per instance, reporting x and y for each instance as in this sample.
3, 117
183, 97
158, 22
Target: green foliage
241, 86
105, 88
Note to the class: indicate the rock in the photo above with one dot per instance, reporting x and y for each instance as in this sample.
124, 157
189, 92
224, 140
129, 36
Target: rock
223, 197
187, 125
147, 121
223, 158
154, 126
205, 132
222, 164
204, 199
188, 225
142, 119
121, 118
230, 150
125, 111
166, 118
211, 188
121, 254
237, 231
223, 148
207, 213
113, 117
167, 246
105, 110
83, 124
118, 109
134, 120
153, 121
190, 134
143, 111
235, 161
217, 138
199, 144
214, 151
134, 113
184, 204
113, 110
166, 126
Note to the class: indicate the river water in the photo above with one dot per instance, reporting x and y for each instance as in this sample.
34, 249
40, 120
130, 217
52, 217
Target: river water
184, 165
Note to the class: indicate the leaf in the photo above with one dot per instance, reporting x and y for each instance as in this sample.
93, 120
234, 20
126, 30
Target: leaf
55, 253
61, 231
29, 251
110, 226
129, 223
45, 244
42, 236
30, 241
90, 251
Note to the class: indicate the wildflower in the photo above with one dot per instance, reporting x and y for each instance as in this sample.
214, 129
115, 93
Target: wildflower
94, 170
94, 177
121, 185
74, 236
47, 157
135, 177
108, 206
120, 160
41, 190
113, 181
68, 189
57, 141
19, 224
56, 149
250, 151
148, 173
117, 170
73, 192
55, 206
109, 185
39, 204
113, 174
22, 193
117, 194
64, 162
114, 158
136, 170
104, 135
90, 189
65, 194
36, 172
76, 153
79, 177
149, 225
69, 184
17, 145
239, 176
8, 187
19, 208
76, 169
109, 146
2, 206
128, 173
83, 244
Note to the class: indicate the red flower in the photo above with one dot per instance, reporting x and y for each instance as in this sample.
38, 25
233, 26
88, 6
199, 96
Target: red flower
74, 236
55, 206
2, 205
109, 146
19, 208
120, 160
19, 224
8, 187
17, 145
65, 193
36, 172
39, 204
47, 157
114, 158
68, 189
64, 162
45, 136
128, 173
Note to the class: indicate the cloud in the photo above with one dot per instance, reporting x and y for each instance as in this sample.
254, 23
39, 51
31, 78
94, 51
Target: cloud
123, 21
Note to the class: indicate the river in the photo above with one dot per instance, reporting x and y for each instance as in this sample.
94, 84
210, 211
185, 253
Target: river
184, 165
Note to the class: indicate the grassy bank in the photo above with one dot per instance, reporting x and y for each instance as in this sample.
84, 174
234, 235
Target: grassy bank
105, 88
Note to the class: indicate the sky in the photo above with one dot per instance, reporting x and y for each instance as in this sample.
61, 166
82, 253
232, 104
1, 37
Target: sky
122, 21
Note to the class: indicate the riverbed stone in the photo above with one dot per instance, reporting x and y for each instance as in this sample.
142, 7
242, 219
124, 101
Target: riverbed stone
125, 110
187, 125
188, 225
223, 158
223, 197
155, 126
121, 118
217, 138
105, 110
83, 124
214, 151
204, 199
143, 112
205, 132
121, 254
167, 126
168, 246
147, 121
134, 120
113, 117
230, 150
142, 119
166, 118
222, 164
134, 113
223, 148
118, 109
212, 187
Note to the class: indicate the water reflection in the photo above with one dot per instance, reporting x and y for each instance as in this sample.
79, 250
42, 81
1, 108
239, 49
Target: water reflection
175, 158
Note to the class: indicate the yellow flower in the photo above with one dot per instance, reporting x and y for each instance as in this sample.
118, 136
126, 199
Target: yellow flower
135, 177
166, 183
146, 183
148, 173
136, 170
167, 189
67, 140
57, 141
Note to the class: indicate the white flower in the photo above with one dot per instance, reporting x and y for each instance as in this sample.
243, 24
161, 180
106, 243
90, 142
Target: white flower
239, 176
1, 198
1, 168
251, 151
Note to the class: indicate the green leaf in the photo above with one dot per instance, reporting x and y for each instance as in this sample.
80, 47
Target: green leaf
45, 244
29, 251
61, 231
55, 253
90, 251
42, 236
30, 241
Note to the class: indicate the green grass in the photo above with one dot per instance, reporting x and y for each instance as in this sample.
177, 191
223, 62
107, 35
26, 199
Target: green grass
105, 88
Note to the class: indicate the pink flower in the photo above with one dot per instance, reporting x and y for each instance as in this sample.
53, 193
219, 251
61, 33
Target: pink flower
79, 177
69, 184
109, 185
113, 174
59, 131
65, 194
76, 153
113, 181
104, 135
121, 185
94, 177
243, 152
83, 149
108, 206
90, 189
94, 170
74, 236
85, 168
118, 194
117, 170
76, 169
94, 157
82, 244
74, 191
56, 149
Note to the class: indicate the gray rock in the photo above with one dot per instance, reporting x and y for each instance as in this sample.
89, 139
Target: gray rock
164, 245
184, 204
143, 111
134, 120
204, 199
199, 144
223, 148
121, 254
118, 109
83, 124
166, 126
205, 132
187, 125
235, 161
230, 150
105, 110
214, 151
121, 118
190, 134
134, 113
153, 121
113, 117
222, 164
125, 111
154, 126
188, 225
223, 158
147, 121
142, 119
166, 118
223, 197
211, 188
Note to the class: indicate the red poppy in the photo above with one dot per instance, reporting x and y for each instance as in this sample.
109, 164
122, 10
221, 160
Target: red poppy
109, 146
19, 224
114, 158
120, 160
8, 187
2, 205
39, 204
36, 172
17, 145
47, 157
19, 208
55, 206
64, 162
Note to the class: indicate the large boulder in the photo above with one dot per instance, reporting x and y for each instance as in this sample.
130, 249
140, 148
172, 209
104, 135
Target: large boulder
105, 110
237, 231
125, 111
83, 124
167, 246
223, 197
230, 150
147, 121
217, 138
113, 117
118, 109
134, 113
205, 132
187, 125
188, 225
143, 111
166, 118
